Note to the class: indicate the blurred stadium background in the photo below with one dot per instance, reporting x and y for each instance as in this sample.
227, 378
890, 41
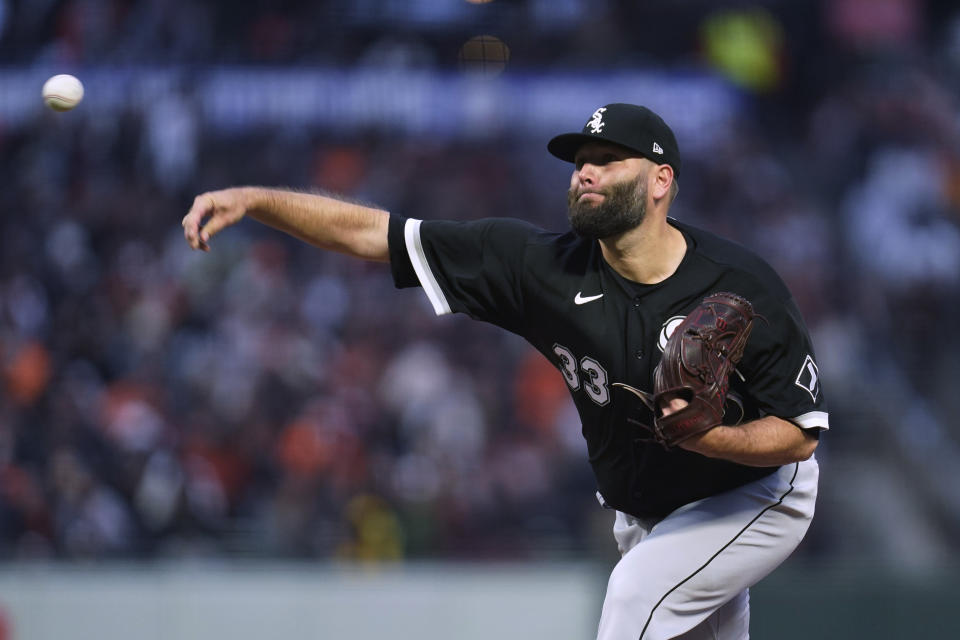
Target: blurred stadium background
269, 441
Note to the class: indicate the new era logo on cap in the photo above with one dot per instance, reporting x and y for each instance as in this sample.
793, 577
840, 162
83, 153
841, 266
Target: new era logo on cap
628, 125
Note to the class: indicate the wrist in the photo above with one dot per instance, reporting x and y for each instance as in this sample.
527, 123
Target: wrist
257, 199
708, 442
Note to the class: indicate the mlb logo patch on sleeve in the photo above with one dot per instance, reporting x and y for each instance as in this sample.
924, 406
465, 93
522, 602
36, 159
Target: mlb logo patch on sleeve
808, 378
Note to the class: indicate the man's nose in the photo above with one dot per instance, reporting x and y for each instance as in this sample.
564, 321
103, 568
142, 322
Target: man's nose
587, 173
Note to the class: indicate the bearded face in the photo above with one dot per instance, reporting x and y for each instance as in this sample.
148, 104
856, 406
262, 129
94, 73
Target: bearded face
622, 208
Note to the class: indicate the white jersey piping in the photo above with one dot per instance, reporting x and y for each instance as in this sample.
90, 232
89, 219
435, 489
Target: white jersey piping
813, 420
411, 237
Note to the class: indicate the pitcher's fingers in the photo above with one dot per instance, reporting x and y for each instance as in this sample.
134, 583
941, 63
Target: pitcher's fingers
216, 224
203, 205
188, 231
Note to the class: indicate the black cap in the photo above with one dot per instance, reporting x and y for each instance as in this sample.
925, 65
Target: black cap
628, 125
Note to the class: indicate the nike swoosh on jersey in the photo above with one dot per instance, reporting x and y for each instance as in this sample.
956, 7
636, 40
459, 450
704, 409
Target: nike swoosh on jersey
580, 299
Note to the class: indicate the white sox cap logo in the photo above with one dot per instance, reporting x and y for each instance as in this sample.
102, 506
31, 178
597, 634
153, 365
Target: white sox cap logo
596, 124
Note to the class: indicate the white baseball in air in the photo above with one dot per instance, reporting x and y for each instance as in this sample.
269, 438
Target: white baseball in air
62, 92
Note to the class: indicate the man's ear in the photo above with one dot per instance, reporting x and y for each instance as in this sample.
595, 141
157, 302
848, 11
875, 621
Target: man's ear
662, 181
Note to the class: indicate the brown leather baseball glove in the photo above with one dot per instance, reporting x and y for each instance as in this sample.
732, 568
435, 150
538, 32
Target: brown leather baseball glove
696, 365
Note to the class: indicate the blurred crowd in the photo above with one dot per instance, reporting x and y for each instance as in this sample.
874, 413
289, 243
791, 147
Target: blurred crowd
267, 399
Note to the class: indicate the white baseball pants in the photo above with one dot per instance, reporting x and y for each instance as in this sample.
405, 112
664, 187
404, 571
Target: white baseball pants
687, 575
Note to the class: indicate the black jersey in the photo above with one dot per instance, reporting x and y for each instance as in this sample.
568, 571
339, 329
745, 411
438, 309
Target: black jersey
598, 328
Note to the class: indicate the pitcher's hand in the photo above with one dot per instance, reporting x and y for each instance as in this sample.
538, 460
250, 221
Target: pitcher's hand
211, 213
673, 406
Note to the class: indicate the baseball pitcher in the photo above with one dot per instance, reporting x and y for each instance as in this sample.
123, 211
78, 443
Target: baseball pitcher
686, 356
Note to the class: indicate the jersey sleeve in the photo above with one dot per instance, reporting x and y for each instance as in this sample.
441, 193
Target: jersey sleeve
780, 368
473, 267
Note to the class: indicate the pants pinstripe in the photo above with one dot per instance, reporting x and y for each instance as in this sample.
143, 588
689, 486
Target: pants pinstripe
687, 575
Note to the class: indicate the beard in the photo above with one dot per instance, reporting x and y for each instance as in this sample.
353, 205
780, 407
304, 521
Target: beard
624, 206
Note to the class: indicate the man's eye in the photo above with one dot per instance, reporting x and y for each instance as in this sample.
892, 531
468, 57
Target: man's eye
597, 161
